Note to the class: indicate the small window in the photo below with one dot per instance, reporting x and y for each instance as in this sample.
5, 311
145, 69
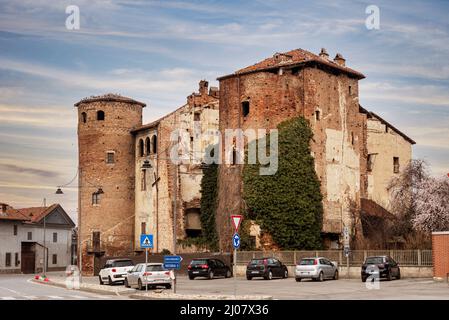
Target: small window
55, 237
396, 164
110, 157
154, 144
16, 259
148, 145
245, 108
317, 115
100, 115
15, 230
55, 259
30, 235
352, 138
95, 198
141, 148
8, 259
234, 156
143, 228
196, 116
143, 180
369, 166
84, 117
350, 90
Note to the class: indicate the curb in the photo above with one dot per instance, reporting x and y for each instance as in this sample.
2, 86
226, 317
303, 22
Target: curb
91, 290
180, 297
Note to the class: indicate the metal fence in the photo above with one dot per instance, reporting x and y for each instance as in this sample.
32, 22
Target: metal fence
417, 258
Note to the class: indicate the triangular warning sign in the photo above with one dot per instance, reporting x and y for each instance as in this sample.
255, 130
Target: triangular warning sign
236, 220
147, 241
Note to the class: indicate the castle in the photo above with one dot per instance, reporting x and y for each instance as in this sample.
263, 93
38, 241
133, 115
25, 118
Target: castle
129, 185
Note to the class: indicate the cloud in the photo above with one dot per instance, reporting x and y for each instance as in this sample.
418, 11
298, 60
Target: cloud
33, 171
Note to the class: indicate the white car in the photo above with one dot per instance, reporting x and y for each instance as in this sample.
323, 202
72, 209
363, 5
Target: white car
115, 271
151, 275
318, 268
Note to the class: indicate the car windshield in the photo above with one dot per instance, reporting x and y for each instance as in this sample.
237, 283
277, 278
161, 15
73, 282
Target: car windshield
257, 262
195, 262
374, 260
157, 267
307, 262
122, 263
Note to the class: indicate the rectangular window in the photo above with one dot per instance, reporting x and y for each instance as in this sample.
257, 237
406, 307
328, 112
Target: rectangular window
8, 259
16, 259
55, 259
245, 108
55, 237
96, 240
95, 198
30, 235
369, 165
396, 164
143, 227
143, 180
317, 115
15, 230
110, 157
196, 116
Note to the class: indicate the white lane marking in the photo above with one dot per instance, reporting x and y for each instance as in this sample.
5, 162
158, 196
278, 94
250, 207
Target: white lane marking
8, 298
56, 297
11, 290
77, 297
30, 297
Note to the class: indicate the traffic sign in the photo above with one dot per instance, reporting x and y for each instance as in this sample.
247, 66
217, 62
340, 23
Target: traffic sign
347, 251
170, 265
146, 241
236, 240
172, 259
236, 220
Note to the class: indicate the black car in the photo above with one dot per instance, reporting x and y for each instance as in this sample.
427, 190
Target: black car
380, 266
208, 268
268, 268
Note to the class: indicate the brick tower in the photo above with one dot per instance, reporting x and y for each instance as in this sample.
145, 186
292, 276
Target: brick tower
106, 176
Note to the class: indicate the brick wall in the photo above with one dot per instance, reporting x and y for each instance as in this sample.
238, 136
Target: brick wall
440, 254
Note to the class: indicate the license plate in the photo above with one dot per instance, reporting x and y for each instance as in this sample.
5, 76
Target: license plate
196, 272
254, 271
303, 272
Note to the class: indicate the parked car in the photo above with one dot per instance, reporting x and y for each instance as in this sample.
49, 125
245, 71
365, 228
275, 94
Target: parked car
268, 268
382, 267
151, 275
115, 270
319, 268
208, 268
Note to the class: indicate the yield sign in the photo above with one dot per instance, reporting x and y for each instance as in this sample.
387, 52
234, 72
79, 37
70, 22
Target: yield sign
236, 220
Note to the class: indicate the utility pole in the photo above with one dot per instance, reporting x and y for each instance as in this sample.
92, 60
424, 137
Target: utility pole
44, 269
175, 199
80, 239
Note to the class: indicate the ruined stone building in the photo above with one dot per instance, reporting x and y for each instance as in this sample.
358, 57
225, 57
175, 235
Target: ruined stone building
129, 185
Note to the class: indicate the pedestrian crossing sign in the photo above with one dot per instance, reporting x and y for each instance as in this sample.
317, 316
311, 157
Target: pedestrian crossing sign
146, 241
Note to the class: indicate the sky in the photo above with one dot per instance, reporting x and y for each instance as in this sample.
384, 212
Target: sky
157, 51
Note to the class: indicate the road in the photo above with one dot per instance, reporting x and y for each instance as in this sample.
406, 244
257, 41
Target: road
19, 287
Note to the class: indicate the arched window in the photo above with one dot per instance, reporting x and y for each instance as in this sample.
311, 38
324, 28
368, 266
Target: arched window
84, 117
148, 145
141, 152
100, 115
154, 143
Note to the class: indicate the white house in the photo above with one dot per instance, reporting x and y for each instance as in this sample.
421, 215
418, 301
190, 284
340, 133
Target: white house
22, 239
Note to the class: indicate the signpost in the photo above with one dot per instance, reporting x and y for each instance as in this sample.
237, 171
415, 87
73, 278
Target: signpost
146, 242
236, 221
172, 263
347, 248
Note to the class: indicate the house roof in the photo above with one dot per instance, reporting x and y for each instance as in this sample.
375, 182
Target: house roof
156, 122
109, 97
293, 58
33, 214
385, 122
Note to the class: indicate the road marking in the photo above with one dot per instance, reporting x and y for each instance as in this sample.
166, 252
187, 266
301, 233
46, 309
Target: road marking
78, 297
30, 297
8, 298
11, 290
56, 297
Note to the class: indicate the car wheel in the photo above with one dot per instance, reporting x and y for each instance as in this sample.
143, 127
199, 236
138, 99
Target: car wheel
211, 275
126, 283
336, 275
191, 277
168, 286
363, 279
321, 277
285, 274
101, 281
389, 277
399, 275
269, 275
228, 274
110, 281
298, 279
249, 278
139, 284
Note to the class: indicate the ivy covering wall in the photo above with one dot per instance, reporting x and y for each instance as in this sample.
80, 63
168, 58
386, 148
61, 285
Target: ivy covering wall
288, 204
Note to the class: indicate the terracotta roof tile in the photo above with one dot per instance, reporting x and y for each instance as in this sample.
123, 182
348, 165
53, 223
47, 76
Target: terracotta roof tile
109, 97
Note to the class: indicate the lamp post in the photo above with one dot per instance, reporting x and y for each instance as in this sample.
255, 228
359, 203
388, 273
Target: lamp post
44, 268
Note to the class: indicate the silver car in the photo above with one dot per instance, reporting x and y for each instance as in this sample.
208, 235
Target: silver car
151, 275
319, 268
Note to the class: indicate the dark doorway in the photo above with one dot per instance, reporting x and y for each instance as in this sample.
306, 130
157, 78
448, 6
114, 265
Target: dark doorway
28, 260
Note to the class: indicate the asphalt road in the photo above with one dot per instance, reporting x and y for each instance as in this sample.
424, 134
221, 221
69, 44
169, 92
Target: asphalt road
19, 287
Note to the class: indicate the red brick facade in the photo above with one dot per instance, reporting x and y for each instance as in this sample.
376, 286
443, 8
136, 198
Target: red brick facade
440, 254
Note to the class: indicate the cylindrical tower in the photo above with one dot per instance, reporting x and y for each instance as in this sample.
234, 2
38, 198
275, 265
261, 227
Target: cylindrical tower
106, 176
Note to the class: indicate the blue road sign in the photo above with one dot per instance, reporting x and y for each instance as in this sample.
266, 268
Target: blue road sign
146, 241
236, 241
171, 265
172, 259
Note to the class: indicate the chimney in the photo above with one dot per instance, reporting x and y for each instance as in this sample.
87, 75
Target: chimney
4, 207
203, 87
324, 54
339, 60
